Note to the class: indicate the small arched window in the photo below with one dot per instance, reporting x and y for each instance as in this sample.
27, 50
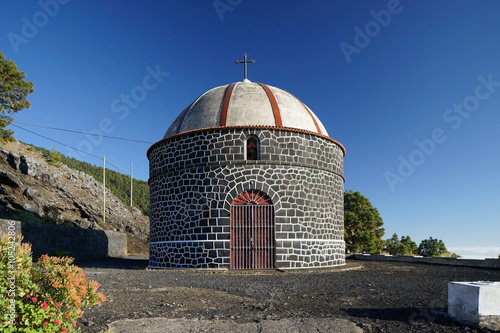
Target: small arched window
253, 148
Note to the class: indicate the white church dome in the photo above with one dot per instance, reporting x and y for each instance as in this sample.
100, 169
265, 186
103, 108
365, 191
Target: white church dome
245, 104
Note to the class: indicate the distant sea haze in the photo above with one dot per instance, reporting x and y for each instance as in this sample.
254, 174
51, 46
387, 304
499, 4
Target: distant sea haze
478, 252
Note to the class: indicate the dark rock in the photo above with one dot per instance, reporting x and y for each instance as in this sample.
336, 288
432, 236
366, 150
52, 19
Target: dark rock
10, 180
28, 166
95, 226
30, 193
52, 213
13, 202
130, 230
88, 323
5, 190
13, 160
34, 208
82, 223
366, 327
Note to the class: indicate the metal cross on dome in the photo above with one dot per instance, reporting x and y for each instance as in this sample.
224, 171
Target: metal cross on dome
245, 61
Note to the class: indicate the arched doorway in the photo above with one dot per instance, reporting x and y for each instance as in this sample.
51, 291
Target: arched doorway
252, 231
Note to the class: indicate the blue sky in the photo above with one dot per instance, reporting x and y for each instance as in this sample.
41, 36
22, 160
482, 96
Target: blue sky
410, 88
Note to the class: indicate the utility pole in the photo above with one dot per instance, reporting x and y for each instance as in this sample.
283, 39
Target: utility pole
104, 190
131, 179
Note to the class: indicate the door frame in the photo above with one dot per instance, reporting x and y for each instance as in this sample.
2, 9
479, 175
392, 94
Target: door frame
252, 231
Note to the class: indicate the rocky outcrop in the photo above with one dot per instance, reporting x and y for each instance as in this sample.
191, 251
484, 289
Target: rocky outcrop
62, 195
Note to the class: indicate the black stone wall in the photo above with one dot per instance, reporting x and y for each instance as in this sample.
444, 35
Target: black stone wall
81, 244
195, 178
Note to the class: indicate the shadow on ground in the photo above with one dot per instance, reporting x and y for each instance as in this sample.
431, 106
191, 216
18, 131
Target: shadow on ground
406, 315
129, 262
398, 314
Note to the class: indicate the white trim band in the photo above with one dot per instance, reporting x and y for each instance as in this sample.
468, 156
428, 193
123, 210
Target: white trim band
277, 240
191, 241
309, 240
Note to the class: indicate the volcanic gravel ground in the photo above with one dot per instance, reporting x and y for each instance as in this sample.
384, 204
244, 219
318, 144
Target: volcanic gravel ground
376, 296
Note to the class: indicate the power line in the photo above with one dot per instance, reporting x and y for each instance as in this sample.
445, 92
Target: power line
117, 168
63, 144
27, 130
72, 131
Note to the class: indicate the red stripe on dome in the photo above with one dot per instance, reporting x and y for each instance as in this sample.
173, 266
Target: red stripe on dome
225, 104
312, 116
274, 104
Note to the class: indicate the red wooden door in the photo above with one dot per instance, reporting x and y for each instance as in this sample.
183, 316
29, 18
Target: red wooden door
252, 231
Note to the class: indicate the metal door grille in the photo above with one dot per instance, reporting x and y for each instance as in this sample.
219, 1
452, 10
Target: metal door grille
252, 233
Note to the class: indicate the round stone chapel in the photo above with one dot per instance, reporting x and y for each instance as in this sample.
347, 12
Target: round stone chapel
246, 177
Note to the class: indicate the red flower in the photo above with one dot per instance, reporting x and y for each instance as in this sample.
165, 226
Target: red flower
50, 299
63, 329
56, 304
34, 299
44, 306
56, 321
73, 323
45, 323
80, 314
67, 315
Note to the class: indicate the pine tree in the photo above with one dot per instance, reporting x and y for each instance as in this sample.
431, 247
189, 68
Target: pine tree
362, 225
13, 92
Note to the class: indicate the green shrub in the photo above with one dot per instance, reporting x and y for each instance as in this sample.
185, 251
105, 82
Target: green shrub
55, 158
57, 165
48, 297
55, 155
26, 216
51, 214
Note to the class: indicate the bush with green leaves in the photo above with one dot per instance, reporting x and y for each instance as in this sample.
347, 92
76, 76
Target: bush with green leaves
55, 157
26, 216
51, 216
48, 297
